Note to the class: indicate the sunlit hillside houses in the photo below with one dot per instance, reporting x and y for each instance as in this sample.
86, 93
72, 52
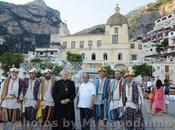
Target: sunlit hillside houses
160, 47
46, 54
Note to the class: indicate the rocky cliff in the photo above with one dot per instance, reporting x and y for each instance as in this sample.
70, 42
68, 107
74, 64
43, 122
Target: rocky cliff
28, 21
141, 21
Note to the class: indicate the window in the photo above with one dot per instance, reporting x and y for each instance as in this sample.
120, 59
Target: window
90, 43
134, 57
115, 39
151, 49
167, 77
166, 68
116, 30
51, 53
93, 56
72, 44
119, 56
64, 45
41, 53
158, 21
169, 16
140, 46
164, 18
105, 56
98, 43
81, 44
83, 56
132, 45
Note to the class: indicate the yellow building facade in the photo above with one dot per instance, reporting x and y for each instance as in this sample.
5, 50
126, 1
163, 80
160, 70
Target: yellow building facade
110, 47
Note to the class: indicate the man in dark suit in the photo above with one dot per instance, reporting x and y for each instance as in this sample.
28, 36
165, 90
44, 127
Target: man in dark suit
64, 94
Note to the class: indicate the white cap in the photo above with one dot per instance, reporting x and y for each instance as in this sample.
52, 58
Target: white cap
14, 70
33, 70
47, 71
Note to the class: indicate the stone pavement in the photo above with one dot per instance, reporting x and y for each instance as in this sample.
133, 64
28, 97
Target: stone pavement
159, 122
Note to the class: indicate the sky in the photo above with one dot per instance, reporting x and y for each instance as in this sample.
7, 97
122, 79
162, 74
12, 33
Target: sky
82, 14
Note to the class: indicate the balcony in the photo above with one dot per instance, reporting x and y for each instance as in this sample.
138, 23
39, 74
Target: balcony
93, 62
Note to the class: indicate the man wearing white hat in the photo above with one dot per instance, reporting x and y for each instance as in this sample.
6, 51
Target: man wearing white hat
46, 98
31, 96
10, 98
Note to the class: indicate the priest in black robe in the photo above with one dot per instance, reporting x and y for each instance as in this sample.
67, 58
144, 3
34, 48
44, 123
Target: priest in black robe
64, 94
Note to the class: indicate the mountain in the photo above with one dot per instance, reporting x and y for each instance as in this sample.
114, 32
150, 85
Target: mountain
141, 20
23, 24
95, 29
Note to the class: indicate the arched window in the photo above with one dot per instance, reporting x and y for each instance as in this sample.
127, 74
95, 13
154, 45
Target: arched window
105, 56
120, 56
93, 56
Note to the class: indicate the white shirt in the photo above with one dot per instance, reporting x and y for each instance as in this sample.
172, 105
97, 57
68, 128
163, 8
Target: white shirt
85, 92
29, 98
12, 89
149, 84
48, 93
129, 102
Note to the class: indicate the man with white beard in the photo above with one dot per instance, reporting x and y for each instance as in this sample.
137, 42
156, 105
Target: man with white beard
10, 98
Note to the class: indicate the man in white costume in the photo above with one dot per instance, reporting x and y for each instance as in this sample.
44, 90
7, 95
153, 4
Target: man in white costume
31, 87
133, 116
116, 102
46, 96
10, 98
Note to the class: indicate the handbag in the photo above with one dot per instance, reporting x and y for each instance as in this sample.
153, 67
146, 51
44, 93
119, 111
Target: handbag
42, 105
151, 96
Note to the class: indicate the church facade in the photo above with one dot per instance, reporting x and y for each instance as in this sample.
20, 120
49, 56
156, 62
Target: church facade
110, 47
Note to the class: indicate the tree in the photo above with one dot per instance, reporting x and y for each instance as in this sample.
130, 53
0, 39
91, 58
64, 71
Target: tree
56, 68
76, 60
143, 70
109, 71
4, 48
37, 60
74, 57
9, 59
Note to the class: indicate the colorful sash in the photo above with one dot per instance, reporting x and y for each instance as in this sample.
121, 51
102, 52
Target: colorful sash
105, 88
102, 110
6, 87
113, 87
135, 93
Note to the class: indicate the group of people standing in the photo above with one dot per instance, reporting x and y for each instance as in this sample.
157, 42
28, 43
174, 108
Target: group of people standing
105, 100
110, 101
37, 102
